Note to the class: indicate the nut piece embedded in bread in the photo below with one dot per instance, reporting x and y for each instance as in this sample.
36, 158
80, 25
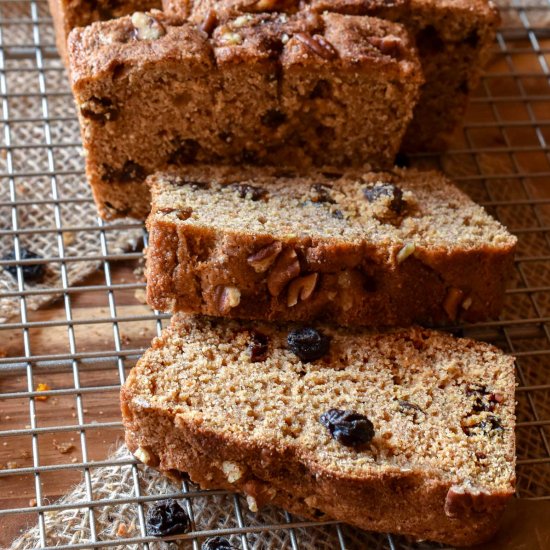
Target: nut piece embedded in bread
351, 248
331, 423
303, 89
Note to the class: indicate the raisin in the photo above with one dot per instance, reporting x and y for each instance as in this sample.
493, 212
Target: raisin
216, 543
273, 118
411, 409
488, 425
32, 273
130, 172
185, 153
373, 193
249, 157
322, 90
402, 160
167, 518
251, 192
258, 346
472, 39
99, 109
338, 215
348, 427
308, 344
321, 193
333, 175
429, 41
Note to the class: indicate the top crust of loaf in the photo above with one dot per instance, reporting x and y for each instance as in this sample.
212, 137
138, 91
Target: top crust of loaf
437, 216
111, 46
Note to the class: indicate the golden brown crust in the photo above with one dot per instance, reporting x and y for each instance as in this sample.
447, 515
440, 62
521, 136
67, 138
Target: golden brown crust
190, 424
68, 14
442, 260
298, 90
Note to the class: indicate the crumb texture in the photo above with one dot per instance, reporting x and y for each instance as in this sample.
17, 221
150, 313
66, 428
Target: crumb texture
352, 248
441, 410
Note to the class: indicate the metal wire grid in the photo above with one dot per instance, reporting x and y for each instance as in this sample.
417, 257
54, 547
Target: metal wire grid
26, 45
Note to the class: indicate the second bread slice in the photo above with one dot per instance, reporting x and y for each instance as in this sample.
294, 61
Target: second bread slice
368, 249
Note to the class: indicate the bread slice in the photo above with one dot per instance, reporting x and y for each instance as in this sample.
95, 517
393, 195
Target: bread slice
349, 248
302, 89
409, 431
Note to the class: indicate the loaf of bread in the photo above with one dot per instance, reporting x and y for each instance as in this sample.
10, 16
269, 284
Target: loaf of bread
68, 14
410, 431
349, 248
453, 37
304, 89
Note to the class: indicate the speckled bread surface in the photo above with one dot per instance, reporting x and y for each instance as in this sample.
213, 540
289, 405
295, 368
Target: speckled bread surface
350, 248
453, 36
68, 14
302, 89
409, 431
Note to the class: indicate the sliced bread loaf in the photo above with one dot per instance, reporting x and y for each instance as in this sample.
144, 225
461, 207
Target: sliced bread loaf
353, 248
409, 431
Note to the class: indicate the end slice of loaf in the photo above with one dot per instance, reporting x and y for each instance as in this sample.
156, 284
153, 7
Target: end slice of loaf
350, 248
231, 404
154, 92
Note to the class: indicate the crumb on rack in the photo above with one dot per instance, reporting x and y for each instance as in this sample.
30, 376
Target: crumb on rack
42, 386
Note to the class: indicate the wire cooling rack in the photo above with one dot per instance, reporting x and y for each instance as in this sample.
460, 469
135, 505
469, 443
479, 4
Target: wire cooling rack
78, 349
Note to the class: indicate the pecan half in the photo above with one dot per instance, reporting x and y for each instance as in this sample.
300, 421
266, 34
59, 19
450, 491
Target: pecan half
263, 259
301, 289
286, 268
388, 45
209, 23
230, 297
318, 45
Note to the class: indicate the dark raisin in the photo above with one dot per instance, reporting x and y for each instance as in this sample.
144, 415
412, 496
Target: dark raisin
472, 39
32, 273
338, 215
308, 344
216, 543
332, 175
402, 160
185, 153
167, 518
251, 192
476, 389
411, 409
369, 283
321, 193
99, 109
132, 171
373, 193
249, 157
322, 90
273, 118
429, 41
258, 346
348, 427
120, 211
464, 87
488, 425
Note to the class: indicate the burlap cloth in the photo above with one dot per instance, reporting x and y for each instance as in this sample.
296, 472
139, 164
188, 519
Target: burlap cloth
210, 511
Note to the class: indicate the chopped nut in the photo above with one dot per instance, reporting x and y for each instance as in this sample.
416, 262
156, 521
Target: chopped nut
32, 502
242, 20
233, 472
68, 238
147, 27
452, 301
42, 387
265, 5
231, 38
230, 298
388, 45
405, 252
63, 448
467, 303
252, 504
261, 261
11, 464
286, 268
301, 288
317, 44
209, 23
143, 454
